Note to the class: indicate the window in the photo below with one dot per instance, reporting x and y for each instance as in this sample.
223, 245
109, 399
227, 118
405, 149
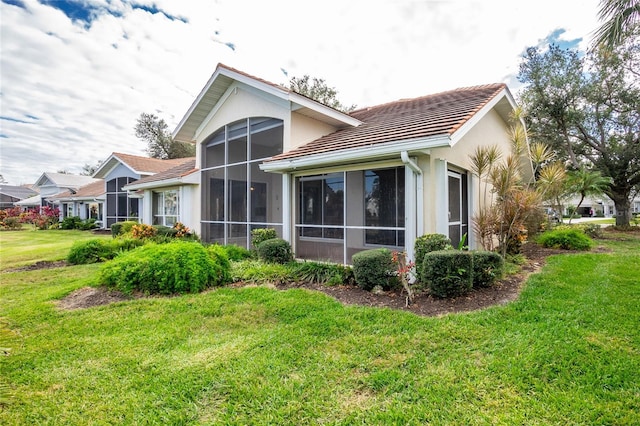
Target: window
384, 206
322, 205
166, 206
236, 195
119, 206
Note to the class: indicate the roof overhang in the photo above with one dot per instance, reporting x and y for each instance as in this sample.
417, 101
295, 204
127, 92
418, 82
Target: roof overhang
190, 179
111, 163
356, 155
218, 86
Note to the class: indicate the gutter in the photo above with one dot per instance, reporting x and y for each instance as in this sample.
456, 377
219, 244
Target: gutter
404, 156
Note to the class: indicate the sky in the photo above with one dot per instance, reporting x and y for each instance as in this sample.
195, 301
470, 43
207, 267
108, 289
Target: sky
75, 75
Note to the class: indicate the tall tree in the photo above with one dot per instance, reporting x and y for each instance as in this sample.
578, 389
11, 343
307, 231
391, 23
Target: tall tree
587, 183
90, 169
619, 18
155, 132
587, 108
318, 90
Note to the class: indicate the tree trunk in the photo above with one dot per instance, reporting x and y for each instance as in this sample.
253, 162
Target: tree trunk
623, 209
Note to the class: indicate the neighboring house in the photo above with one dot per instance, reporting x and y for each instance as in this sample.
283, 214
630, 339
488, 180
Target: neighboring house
171, 196
120, 170
10, 194
86, 202
332, 183
51, 184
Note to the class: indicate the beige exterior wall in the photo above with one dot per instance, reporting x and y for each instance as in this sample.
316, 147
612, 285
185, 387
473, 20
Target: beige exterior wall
240, 103
305, 129
490, 130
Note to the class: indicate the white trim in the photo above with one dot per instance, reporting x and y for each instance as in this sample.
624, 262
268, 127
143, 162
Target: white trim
441, 197
356, 154
286, 203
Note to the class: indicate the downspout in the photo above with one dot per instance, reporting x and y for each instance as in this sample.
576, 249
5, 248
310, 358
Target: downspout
413, 209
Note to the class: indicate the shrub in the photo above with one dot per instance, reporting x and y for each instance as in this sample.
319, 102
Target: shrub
255, 271
448, 273
219, 256
373, 268
262, 234
428, 243
87, 224
91, 251
236, 253
10, 223
70, 222
568, 239
487, 268
176, 267
275, 250
143, 231
322, 273
121, 228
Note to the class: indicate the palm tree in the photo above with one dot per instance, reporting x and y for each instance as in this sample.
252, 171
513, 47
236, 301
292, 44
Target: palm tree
587, 183
618, 17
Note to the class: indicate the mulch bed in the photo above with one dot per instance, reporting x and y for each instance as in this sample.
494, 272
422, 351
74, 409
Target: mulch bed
502, 292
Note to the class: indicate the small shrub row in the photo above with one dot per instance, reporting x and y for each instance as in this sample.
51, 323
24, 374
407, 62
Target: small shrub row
426, 244
566, 238
256, 271
452, 273
99, 250
275, 250
74, 222
372, 268
175, 267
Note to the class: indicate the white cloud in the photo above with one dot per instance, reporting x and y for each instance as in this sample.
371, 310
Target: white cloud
87, 84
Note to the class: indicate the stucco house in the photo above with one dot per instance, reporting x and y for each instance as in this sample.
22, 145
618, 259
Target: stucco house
170, 196
10, 194
333, 183
86, 202
117, 171
51, 184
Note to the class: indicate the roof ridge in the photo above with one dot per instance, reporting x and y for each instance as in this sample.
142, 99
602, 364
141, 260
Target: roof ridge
432, 95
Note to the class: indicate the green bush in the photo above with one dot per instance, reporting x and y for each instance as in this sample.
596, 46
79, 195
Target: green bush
259, 235
275, 250
176, 267
488, 267
374, 268
219, 256
11, 223
236, 253
91, 251
121, 228
568, 239
428, 243
255, 271
100, 250
448, 273
322, 273
71, 222
88, 224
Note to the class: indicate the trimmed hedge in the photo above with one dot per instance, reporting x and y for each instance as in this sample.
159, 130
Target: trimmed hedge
568, 239
374, 268
428, 243
175, 267
275, 250
259, 235
448, 273
488, 267
220, 257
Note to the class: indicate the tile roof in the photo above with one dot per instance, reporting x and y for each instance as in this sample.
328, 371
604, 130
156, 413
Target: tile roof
19, 192
92, 190
146, 164
184, 168
407, 119
64, 180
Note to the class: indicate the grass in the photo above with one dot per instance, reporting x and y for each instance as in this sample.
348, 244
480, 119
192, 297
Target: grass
566, 352
29, 245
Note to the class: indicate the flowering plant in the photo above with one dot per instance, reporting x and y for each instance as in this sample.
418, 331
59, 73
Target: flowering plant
404, 271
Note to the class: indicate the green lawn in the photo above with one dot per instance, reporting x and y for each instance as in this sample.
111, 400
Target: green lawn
567, 352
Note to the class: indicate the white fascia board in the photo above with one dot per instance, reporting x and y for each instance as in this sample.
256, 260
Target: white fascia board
196, 102
232, 90
179, 181
356, 154
459, 134
305, 102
